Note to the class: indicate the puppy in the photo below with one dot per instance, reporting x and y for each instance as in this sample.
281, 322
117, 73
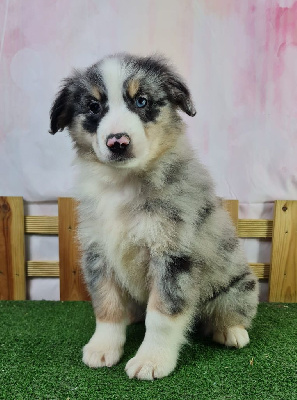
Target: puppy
154, 236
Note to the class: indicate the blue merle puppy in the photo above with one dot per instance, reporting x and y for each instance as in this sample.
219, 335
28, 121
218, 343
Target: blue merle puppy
156, 242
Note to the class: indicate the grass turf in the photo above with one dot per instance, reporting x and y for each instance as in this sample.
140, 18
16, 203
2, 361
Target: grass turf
40, 358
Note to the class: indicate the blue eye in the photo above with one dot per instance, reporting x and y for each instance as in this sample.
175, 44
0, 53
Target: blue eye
140, 101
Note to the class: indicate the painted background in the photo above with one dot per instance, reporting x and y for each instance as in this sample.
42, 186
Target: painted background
239, 58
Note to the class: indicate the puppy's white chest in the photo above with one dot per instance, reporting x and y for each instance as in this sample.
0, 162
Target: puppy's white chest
127, 222
120, 228
128, 233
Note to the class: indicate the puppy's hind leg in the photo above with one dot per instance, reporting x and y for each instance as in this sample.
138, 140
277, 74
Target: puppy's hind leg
234, 336
232, 309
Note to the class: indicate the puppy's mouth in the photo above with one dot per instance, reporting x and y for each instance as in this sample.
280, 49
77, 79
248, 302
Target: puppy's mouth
120, 158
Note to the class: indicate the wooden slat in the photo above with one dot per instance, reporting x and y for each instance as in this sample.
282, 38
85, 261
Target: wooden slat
12, 249
42, 268
255, 228
250, 228
51, 268
41, 225
261, 270
283, 276
72, 286
232, 207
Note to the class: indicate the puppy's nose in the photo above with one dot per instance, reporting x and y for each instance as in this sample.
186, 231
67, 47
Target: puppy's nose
118, 142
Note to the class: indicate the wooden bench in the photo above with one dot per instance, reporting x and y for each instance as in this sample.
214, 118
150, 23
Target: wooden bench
14, 268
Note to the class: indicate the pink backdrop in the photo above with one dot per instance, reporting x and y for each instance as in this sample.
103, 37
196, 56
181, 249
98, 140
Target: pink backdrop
238, 56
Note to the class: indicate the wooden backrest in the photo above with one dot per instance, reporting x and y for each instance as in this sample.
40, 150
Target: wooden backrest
281, 272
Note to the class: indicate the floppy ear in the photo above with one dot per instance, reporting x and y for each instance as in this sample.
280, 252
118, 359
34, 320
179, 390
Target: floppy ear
61, 112
179, 94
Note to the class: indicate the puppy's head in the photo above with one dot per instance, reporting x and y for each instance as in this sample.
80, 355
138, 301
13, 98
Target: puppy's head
122, 110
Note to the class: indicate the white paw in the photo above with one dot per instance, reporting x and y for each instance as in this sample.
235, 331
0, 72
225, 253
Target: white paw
96, 356
150, 366
105, 347
236, 336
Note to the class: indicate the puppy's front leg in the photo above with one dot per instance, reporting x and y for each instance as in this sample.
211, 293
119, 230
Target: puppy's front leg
168, 317
105, 347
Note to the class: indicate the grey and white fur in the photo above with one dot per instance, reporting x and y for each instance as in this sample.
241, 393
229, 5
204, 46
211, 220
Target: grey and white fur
156, 242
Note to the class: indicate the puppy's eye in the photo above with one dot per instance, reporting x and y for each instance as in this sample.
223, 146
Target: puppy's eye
140, 101
94, 106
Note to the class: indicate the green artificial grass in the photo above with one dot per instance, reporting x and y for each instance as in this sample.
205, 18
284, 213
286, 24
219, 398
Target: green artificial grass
40, 358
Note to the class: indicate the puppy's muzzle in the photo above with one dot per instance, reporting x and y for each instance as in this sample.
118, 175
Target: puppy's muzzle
118, 143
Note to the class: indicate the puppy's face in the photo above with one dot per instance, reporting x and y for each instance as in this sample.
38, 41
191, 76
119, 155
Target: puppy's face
122, 111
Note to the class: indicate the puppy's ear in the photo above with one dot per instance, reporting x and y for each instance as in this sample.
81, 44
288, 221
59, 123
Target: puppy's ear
61, 112
179, 94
